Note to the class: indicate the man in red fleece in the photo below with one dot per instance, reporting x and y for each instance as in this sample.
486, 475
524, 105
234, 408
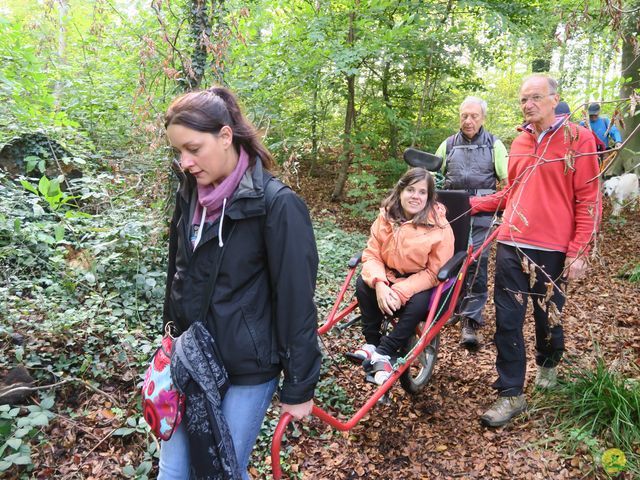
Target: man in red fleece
552, 207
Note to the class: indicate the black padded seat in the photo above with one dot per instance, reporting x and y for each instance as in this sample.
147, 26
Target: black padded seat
457, 203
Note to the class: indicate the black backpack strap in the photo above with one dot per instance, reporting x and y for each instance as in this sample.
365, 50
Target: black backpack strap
492, 140
449, 145
271, 188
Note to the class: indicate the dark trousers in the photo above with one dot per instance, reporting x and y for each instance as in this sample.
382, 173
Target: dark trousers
409, 316
476, 278
511, 293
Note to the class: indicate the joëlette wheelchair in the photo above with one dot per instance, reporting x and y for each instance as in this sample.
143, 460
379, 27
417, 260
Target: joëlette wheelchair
415, 367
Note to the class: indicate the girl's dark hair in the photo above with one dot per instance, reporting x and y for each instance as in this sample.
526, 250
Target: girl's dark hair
210, 110
393, 207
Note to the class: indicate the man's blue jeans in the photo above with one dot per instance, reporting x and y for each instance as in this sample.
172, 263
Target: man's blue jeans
244, 407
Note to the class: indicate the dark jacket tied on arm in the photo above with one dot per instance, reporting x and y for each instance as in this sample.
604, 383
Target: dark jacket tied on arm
197, 372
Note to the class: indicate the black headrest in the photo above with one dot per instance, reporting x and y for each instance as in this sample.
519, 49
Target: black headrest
418, 158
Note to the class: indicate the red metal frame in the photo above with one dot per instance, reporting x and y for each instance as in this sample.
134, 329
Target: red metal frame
426, 337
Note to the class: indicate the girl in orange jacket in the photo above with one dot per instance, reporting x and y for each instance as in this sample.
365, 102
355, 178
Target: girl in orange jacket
409, 242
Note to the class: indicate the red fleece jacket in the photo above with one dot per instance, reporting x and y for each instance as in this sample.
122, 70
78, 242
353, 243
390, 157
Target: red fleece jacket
552, 196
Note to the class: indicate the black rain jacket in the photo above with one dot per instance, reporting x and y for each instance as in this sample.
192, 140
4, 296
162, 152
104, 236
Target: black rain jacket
261, 312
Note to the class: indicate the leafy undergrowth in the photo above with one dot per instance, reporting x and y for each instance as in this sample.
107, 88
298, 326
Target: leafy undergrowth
83, 283
82, 313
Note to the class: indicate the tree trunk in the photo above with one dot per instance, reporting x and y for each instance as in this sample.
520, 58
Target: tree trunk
425, 91
200, 35
393, 128
221, 39
63, 9
587, 86
602, 78
349, 120
630, 69
347, 145
561, 73
314, 129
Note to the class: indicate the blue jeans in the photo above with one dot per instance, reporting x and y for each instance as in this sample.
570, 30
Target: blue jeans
244, 407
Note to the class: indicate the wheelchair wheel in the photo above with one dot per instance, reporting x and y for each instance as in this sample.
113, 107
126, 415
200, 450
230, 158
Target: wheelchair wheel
418, 374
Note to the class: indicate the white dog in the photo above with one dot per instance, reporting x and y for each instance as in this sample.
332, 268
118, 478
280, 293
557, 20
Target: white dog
621, 189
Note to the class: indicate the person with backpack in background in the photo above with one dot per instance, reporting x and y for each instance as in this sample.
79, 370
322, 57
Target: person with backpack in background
563, 109
474, 160
602, 127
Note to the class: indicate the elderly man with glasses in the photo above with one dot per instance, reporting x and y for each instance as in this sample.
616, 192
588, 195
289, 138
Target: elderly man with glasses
474, 160
552, 208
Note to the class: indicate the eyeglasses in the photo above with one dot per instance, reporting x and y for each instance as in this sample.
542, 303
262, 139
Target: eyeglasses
534, 98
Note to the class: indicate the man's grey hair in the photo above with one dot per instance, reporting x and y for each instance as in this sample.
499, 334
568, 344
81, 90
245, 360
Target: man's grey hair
477, 101
552, 82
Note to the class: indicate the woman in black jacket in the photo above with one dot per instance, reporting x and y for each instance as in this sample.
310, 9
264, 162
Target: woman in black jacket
237, 226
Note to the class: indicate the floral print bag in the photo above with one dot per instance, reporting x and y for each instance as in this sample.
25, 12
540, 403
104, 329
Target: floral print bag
162, 404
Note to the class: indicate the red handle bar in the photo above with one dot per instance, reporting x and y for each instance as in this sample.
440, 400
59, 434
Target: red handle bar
275, 445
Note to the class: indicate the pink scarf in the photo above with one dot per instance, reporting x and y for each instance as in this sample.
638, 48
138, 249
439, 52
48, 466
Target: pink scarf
212, 197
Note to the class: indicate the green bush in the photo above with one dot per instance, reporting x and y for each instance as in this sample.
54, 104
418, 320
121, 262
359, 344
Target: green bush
85, 290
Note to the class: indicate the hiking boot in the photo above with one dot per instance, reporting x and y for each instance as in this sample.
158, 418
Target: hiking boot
469, 334
503, 410
361, 354
547, 377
